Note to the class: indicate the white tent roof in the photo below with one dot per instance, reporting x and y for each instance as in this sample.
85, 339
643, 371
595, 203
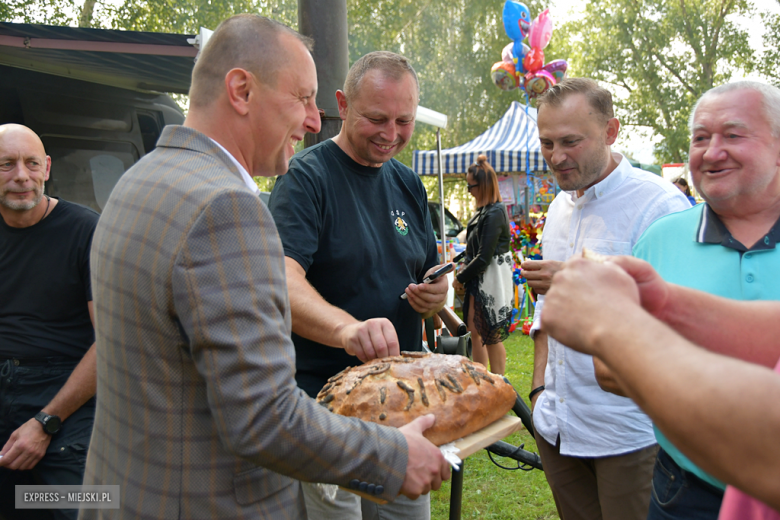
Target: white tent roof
505, 144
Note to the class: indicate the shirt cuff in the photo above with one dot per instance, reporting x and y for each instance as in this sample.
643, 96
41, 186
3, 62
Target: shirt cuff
537, 324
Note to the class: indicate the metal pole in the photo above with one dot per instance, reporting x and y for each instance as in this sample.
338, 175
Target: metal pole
325, 21
456, 492
527, 200
442, 234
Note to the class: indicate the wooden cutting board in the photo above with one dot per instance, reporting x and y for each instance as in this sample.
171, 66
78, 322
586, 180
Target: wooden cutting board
491, 433
470, 444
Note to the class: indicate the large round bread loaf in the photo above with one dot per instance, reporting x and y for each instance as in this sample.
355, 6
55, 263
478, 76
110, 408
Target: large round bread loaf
394, 391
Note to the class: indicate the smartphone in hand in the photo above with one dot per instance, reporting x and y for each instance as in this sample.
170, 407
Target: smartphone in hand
434, 275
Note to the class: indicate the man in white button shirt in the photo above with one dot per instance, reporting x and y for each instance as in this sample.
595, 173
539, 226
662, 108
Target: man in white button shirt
597, 448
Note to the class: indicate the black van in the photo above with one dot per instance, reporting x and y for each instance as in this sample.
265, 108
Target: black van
92, 132
93, 96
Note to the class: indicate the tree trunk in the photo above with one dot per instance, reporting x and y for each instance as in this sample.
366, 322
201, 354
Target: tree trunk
85, 19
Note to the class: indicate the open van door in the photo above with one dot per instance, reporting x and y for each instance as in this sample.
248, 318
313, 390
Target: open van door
93, 96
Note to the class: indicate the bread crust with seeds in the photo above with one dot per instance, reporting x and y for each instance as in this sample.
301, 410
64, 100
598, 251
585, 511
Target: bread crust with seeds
394, 391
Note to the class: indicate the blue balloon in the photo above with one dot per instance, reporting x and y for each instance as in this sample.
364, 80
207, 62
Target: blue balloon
517, 24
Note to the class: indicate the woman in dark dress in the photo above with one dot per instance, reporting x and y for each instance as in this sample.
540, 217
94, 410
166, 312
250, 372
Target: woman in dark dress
487, 272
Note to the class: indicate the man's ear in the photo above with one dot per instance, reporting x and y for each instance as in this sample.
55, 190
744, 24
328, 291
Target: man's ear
239, 86
341, 99
613, 127
48, 168
777, 141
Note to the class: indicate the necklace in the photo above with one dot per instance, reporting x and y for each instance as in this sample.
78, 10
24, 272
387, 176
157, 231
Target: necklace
48, 201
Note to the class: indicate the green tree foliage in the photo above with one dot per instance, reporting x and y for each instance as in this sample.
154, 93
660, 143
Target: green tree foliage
452, 46
768, 65
188, 16
659, 56
52, 12
173, 16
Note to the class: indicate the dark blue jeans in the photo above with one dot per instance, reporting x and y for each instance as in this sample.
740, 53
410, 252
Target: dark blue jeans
24, 391
681, 495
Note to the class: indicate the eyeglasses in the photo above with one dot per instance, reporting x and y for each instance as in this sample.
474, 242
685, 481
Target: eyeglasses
469, 186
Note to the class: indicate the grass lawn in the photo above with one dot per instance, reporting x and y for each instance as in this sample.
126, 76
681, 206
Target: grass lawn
490, 492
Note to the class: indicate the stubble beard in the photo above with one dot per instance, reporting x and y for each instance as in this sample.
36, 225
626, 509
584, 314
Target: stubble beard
589, 172
21, 205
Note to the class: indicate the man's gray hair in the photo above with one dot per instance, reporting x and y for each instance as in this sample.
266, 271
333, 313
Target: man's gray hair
770, 101
391, 64
245, 41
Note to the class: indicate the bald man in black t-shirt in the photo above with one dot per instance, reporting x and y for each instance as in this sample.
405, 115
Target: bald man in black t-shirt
47, 351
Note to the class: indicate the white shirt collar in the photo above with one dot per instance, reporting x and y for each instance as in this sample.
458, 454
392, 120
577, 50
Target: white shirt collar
250, 183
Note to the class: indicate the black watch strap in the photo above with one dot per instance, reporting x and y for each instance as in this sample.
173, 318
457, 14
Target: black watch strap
51, 423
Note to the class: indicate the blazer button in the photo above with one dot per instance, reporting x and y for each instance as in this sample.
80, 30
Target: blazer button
354, 483
379, 490
370, 489
363, 486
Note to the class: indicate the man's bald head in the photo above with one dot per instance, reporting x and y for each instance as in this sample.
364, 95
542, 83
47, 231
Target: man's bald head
12, 130
244, 41
24, 168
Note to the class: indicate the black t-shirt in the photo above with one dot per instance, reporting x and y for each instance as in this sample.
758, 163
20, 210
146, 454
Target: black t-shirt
45, 285
362, 235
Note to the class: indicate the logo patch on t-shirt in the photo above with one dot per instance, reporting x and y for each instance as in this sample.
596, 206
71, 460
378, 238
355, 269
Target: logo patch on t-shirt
400, 224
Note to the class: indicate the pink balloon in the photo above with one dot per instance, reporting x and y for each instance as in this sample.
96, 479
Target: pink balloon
547, 75
541, 30
557, 68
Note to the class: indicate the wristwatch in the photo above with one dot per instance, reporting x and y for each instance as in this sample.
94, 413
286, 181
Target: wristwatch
51, 423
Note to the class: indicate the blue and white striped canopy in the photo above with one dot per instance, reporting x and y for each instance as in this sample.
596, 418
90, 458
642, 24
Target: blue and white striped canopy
505, 144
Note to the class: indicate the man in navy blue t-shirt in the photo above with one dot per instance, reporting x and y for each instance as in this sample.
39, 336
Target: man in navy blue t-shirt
357, 234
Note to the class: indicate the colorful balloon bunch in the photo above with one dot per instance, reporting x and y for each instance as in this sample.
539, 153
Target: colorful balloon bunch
522, 65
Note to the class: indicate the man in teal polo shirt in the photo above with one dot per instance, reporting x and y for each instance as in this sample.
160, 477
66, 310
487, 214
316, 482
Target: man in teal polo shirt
727, 247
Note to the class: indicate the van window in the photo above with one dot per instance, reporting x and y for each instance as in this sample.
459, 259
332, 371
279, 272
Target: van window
106, 170
150, 124
451, 225
85, 171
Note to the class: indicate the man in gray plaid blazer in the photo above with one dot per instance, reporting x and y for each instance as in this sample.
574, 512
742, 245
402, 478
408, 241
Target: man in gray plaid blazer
198, 414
